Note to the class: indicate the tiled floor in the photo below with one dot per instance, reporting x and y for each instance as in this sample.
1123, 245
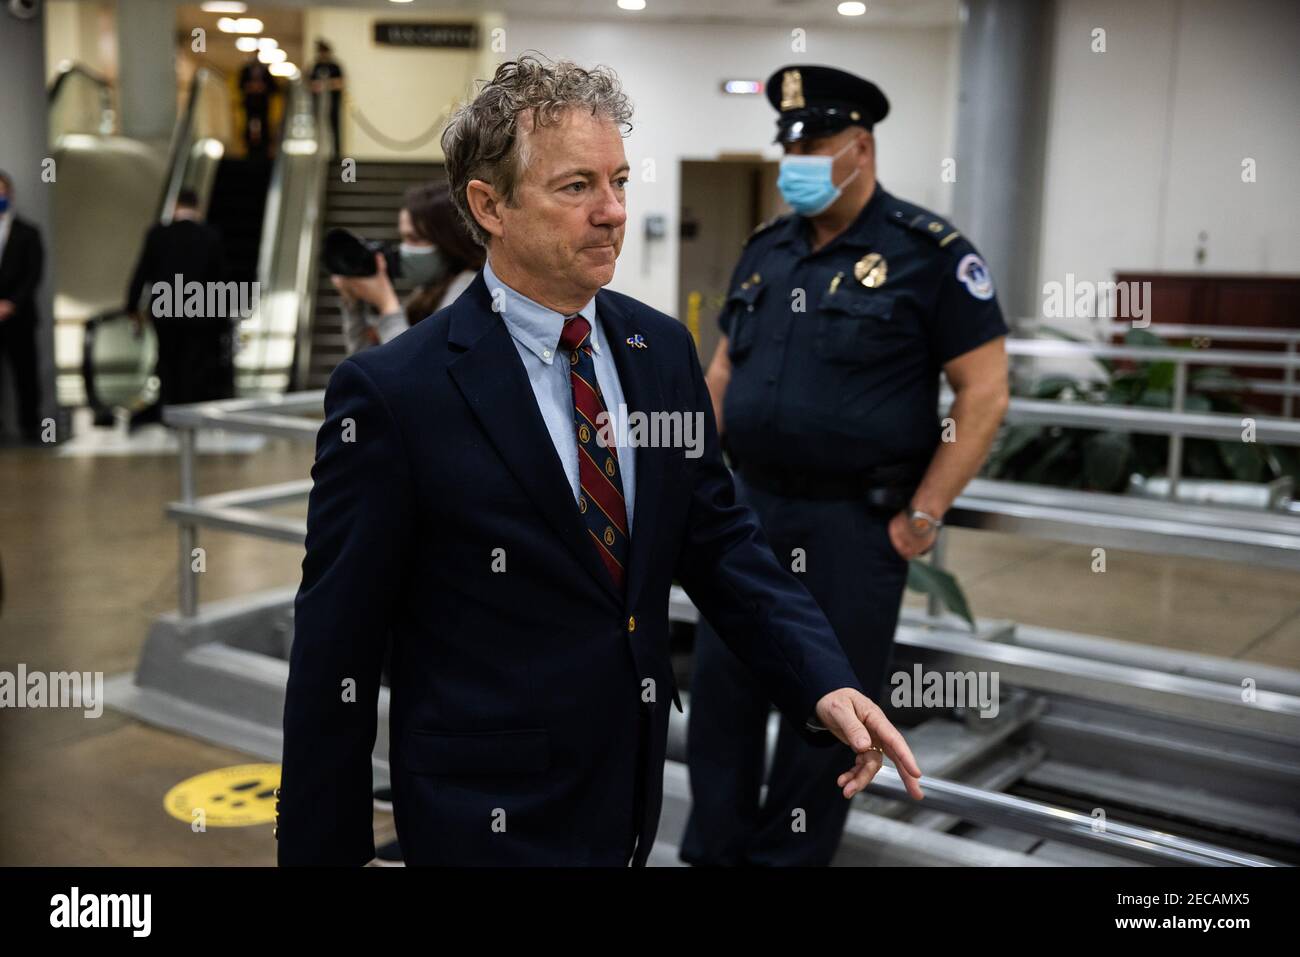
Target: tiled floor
89, 560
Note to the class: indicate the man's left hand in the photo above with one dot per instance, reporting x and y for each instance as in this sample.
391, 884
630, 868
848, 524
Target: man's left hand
858, 721
905, 541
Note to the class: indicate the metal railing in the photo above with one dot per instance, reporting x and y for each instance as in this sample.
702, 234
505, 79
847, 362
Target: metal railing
1177, 424
997, 809
287, 262
1056, 514
1193, 696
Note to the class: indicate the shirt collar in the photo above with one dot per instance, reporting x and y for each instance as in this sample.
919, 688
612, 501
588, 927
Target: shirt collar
533, 325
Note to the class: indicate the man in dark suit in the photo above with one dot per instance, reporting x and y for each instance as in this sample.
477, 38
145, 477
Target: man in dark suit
470, 508
257, 84
22, 259
195, 352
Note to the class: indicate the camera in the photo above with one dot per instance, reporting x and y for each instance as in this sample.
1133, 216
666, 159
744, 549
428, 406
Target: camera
24, 9
347, 254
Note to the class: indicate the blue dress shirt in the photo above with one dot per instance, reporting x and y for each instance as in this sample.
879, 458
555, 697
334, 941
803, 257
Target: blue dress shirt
536, 332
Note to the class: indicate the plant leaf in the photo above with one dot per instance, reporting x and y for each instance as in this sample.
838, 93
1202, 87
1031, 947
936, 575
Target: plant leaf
1106, 457
925, 578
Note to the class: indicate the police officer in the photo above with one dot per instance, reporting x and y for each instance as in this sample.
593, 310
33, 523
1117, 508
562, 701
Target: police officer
825, 385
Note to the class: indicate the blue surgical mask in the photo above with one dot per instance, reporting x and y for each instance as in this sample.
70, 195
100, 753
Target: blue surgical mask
806, 182
4, 205
422, 264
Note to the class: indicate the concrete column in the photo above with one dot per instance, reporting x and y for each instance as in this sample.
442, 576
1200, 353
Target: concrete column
24, 147
1001, 138
146, 57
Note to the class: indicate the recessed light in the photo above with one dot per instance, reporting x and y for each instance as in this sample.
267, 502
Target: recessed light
242, 25
223, 6
852, 9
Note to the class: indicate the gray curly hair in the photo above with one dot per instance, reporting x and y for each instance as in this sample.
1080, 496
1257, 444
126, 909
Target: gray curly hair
482, 141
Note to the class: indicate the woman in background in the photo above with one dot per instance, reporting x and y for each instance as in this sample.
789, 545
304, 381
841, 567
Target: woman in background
438, 257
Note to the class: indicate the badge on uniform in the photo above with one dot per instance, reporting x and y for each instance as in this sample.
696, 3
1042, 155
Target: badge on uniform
871, 270
974, 275
637, 342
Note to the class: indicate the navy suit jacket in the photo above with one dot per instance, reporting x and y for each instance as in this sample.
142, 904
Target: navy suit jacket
529, 700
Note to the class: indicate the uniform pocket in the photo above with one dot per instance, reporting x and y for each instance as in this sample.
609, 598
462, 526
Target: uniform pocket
851, 327
477, 752
742, 320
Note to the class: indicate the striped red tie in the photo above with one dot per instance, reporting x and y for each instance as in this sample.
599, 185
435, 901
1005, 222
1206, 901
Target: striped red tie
600, 496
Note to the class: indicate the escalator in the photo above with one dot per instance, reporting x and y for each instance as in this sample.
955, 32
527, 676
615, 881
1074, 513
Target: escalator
237, 208
268, 213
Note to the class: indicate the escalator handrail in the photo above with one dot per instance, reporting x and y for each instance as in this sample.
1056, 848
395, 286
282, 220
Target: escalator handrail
88, 357
1032, 817
69, 68
179, 152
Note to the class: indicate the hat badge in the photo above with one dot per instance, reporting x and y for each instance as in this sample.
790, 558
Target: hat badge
871, 270
792, 90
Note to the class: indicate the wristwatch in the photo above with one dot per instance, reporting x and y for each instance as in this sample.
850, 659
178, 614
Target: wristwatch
923, 524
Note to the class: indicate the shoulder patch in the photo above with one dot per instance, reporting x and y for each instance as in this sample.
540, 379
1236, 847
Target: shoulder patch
767, 225
938, 231
974, 275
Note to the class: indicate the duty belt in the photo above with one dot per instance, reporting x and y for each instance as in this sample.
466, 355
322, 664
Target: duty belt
888, 487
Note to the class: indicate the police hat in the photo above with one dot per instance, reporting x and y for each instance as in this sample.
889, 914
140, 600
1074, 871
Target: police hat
821, 100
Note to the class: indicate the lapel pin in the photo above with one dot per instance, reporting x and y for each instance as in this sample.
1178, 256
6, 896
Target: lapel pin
637, 342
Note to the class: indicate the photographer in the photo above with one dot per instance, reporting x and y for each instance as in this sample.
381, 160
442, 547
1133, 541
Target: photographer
436, 255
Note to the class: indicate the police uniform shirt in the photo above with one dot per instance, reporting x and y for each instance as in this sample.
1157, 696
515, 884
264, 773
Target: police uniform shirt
836, 353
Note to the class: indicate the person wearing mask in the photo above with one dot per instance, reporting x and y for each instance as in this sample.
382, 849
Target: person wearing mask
195, 353
439, 259
327, 77
22, 258
825, 385
538, 696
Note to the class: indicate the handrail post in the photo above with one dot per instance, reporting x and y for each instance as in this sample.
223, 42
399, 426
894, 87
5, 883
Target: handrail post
1288, 376
1176, 436
188, 530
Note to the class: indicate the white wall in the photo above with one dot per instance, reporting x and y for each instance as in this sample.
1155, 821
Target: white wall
401, 91
82, 31
672, 73
1146, 141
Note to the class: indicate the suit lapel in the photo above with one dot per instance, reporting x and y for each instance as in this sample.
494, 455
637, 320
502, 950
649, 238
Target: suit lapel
492, 378
642, 393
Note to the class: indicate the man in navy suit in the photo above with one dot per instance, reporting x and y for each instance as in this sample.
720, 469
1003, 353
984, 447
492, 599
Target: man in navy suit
472, 508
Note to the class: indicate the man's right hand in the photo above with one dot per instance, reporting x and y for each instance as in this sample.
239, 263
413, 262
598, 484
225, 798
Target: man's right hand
7, 309
858, 721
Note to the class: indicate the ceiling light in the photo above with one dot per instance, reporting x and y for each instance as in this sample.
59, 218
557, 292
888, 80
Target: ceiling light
242, 25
